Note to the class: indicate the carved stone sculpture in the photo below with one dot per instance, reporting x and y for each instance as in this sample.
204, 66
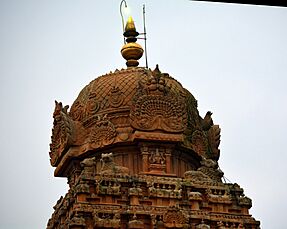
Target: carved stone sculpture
163, 171
156, 108
210, 168
62, 133
110, 167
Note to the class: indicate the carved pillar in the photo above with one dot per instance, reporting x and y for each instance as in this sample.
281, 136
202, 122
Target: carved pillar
167, 157
134, 196
144, 151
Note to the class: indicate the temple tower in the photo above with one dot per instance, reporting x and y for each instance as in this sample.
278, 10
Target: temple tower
137, 154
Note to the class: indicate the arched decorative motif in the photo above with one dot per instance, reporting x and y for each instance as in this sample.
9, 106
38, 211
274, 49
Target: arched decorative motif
116, 97
157, 108
175, 218
86, 105
102, 133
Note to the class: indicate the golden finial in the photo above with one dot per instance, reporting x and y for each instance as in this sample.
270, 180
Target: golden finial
130, 26
131, 51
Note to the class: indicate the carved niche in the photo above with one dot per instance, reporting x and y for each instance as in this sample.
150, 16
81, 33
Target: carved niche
156, 159
62, 132
156, 107
103, 132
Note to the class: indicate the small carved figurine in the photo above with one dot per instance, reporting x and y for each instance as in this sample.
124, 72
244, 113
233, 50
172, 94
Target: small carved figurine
110, 167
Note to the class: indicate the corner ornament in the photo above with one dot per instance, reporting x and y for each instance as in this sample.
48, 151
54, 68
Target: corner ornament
62, 133
212, 133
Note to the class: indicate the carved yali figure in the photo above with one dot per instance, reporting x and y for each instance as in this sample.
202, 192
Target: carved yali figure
210, 168
196, 176
62, 132
209, 171
110, 167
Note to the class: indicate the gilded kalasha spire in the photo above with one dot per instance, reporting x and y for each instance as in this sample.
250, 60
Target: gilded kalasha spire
131, 51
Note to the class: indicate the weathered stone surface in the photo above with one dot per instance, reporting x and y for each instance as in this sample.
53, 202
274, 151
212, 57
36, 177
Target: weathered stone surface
137, 154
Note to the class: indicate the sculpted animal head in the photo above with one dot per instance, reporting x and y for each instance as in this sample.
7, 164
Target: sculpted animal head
209, 163
58, 109
209, 113
88, 162
107, 157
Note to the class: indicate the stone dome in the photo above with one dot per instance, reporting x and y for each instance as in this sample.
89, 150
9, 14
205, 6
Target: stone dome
149, 101
129, 107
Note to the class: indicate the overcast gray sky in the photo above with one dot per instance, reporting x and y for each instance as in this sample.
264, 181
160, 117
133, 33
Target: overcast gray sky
231, 57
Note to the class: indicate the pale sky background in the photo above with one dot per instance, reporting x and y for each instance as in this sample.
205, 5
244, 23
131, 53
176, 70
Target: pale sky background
233, 58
